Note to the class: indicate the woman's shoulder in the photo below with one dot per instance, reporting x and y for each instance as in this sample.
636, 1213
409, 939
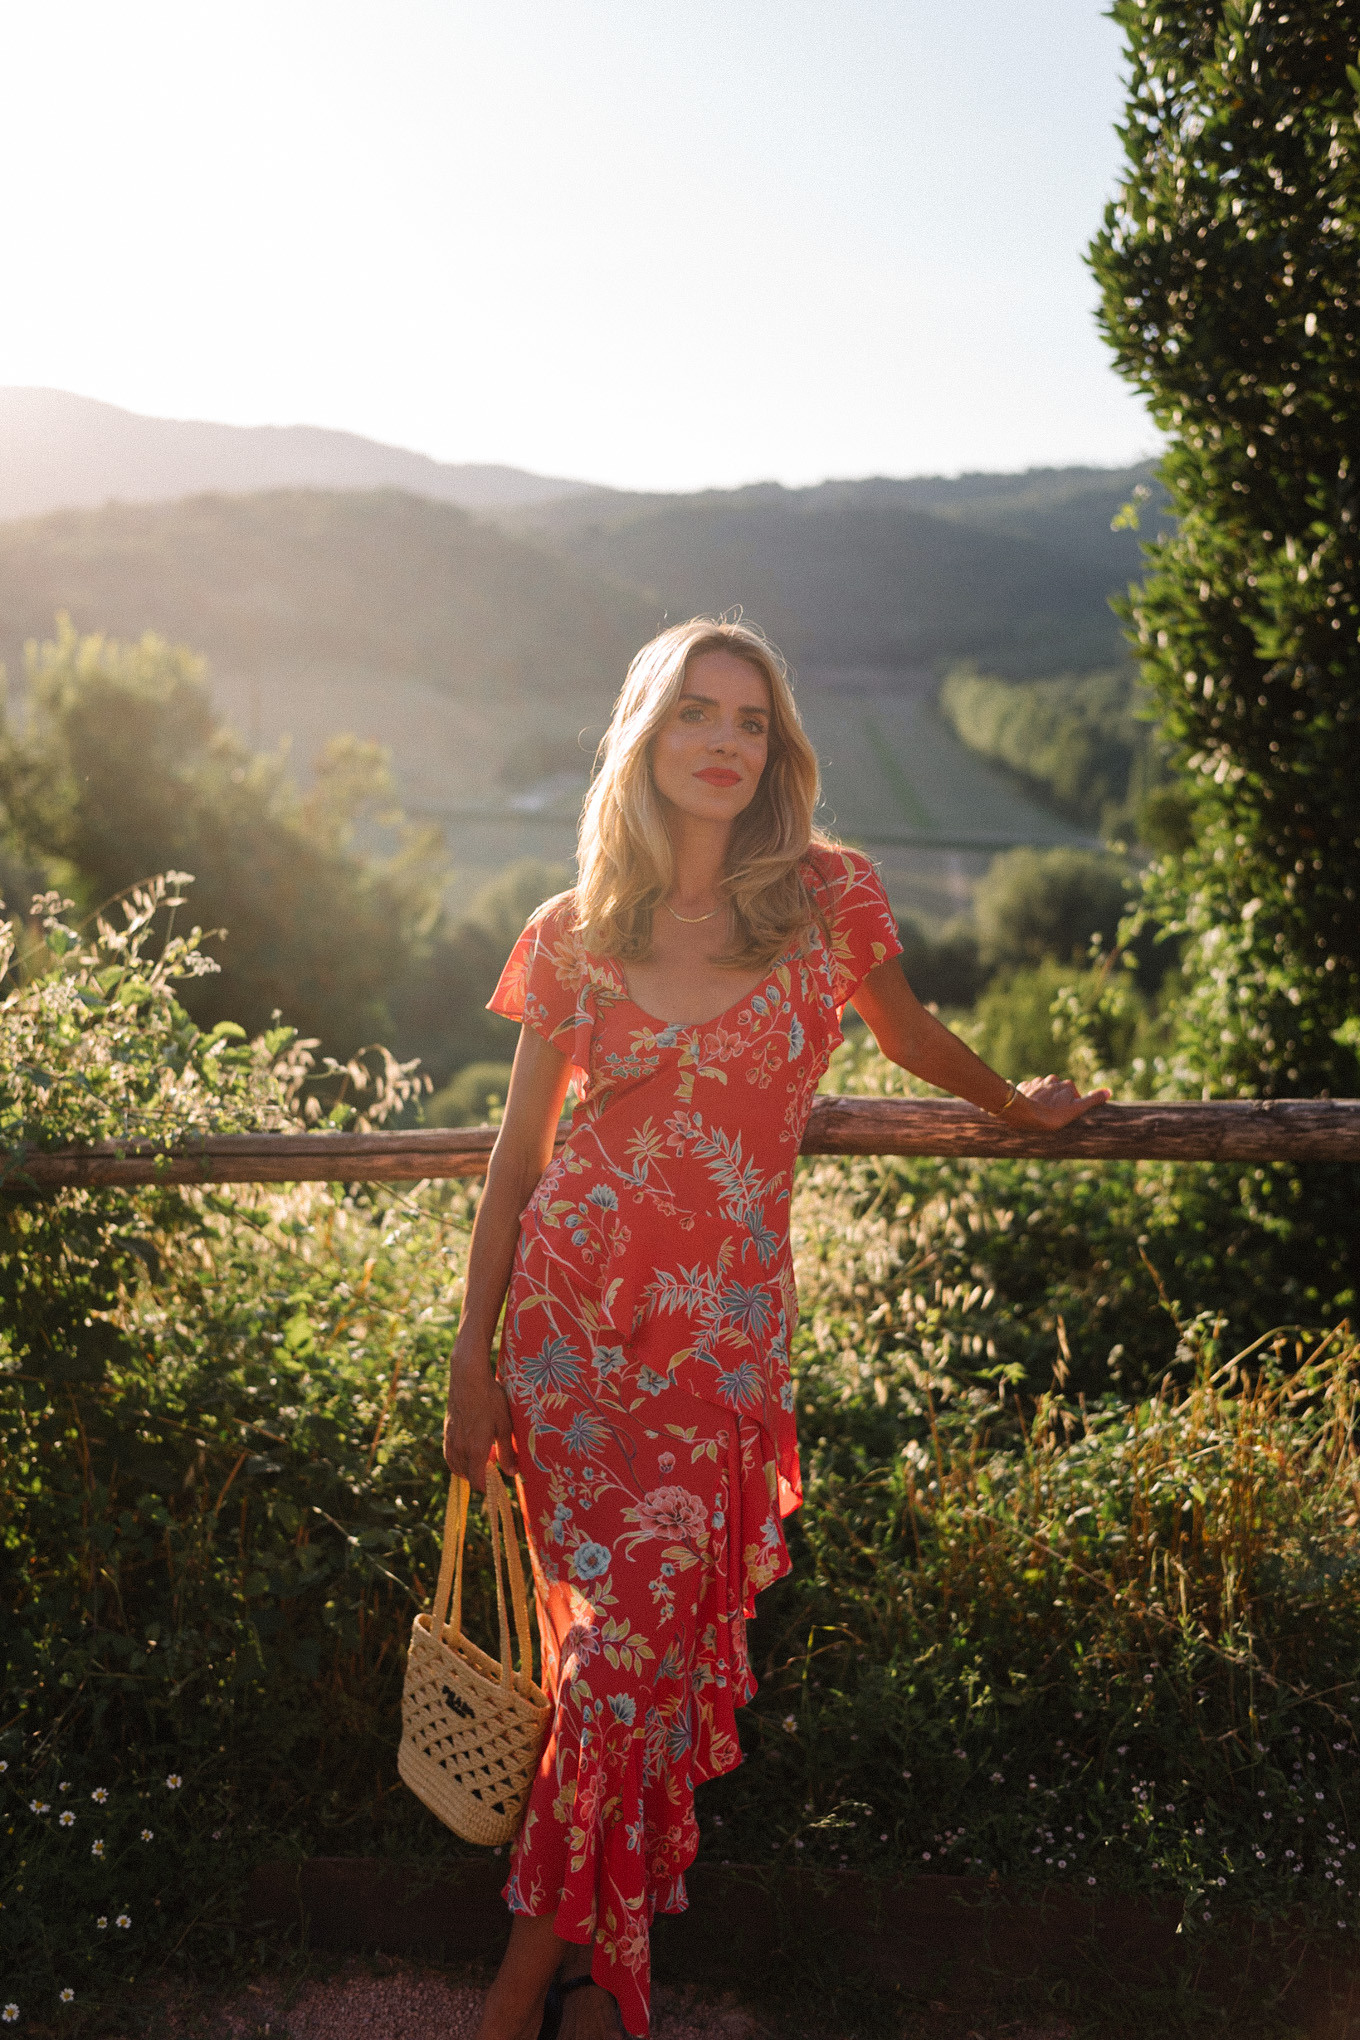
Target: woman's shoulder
555, 917
835, 873
551, 938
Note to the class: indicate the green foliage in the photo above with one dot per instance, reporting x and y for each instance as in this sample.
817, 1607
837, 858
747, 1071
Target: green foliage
125, 772
328, 908
1035, 904
219, 1468
474, 1097
211, 1557
1228, 284
94, 1045
1101, 1250
942, 969
1014, 1027
1088, 1644
1075, 739
504, 905
1229, 295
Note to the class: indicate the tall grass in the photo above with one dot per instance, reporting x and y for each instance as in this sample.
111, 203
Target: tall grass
1118, 1644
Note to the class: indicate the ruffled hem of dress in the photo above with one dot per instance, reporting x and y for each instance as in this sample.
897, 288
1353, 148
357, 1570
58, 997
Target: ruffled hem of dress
591, 1894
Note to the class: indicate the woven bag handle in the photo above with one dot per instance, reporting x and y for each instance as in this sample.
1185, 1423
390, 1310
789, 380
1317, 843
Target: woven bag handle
447, 1621
451, 1560
498, 1504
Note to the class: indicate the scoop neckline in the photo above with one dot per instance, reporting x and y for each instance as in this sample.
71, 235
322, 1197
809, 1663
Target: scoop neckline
688, 1026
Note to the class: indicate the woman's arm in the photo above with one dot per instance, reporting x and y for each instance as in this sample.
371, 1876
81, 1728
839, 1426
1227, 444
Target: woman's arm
909, 1035
479, 1414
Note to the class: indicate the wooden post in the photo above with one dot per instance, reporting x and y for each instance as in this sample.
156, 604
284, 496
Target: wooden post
1230, 1130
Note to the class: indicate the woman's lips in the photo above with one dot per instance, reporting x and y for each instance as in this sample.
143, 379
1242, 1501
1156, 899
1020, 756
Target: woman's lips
718, 775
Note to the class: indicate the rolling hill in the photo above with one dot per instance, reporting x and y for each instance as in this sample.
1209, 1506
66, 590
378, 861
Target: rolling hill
378, 581
1013, 571
59, 451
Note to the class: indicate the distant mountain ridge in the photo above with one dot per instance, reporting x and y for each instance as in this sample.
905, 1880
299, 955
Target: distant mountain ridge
1013, 571
306, 581
63, 452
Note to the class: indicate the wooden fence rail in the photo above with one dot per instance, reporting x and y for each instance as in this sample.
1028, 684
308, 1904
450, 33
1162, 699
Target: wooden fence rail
1238, 1130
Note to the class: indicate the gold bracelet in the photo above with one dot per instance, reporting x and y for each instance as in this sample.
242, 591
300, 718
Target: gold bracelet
1011, 1096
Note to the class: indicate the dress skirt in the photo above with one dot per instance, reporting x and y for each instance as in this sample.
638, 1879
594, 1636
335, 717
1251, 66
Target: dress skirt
643, 1626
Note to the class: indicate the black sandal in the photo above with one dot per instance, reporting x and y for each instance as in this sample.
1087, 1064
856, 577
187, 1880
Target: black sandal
555, 2002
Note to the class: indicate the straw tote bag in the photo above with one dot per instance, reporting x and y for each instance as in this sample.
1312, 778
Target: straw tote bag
472, 1730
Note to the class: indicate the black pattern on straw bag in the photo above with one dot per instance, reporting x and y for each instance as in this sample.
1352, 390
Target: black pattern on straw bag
472, 1729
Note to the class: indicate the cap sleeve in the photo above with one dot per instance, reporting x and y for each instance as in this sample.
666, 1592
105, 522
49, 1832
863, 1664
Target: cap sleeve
545, 981
863, 925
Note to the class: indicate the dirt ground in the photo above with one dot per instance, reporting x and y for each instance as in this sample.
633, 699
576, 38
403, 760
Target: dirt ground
392, 2000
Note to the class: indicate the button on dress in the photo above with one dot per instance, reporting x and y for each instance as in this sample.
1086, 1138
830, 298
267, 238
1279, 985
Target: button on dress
645, 1353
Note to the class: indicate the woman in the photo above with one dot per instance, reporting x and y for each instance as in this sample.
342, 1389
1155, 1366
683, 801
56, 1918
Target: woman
693, 984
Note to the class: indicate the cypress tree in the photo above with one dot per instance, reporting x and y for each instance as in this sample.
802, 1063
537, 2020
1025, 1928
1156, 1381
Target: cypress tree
1229, 266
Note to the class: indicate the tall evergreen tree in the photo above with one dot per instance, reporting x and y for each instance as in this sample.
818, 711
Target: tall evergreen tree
1230, 271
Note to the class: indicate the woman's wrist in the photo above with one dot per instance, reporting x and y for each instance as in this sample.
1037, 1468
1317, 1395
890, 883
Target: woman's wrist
470, 1361
1011, 1095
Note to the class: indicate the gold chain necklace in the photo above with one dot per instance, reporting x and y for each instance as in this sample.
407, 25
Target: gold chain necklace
692, 920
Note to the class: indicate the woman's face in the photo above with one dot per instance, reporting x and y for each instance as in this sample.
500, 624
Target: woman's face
708, 756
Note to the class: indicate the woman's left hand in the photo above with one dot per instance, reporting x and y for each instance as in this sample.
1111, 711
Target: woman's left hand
1048, 1103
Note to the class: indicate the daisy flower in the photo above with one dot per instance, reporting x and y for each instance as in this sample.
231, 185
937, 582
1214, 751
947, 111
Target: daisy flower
99, 1795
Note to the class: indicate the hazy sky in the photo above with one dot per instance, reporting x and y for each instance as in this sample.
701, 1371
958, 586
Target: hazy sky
659, 243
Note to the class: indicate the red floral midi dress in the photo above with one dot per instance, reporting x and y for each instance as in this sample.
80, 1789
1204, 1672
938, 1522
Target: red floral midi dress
645, 1353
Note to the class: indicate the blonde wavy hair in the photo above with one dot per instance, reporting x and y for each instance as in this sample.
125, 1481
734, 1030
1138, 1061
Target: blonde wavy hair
625, 857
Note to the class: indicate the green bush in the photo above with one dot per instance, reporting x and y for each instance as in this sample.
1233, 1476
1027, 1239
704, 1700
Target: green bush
477, 1094
505, 903
1014, 1025
1036, 904
942, 969
1091, 1643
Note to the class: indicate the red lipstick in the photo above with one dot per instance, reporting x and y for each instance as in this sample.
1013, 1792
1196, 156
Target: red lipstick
718, 775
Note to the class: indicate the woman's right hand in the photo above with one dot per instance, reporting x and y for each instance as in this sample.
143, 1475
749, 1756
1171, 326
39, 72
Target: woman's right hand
478, 1421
